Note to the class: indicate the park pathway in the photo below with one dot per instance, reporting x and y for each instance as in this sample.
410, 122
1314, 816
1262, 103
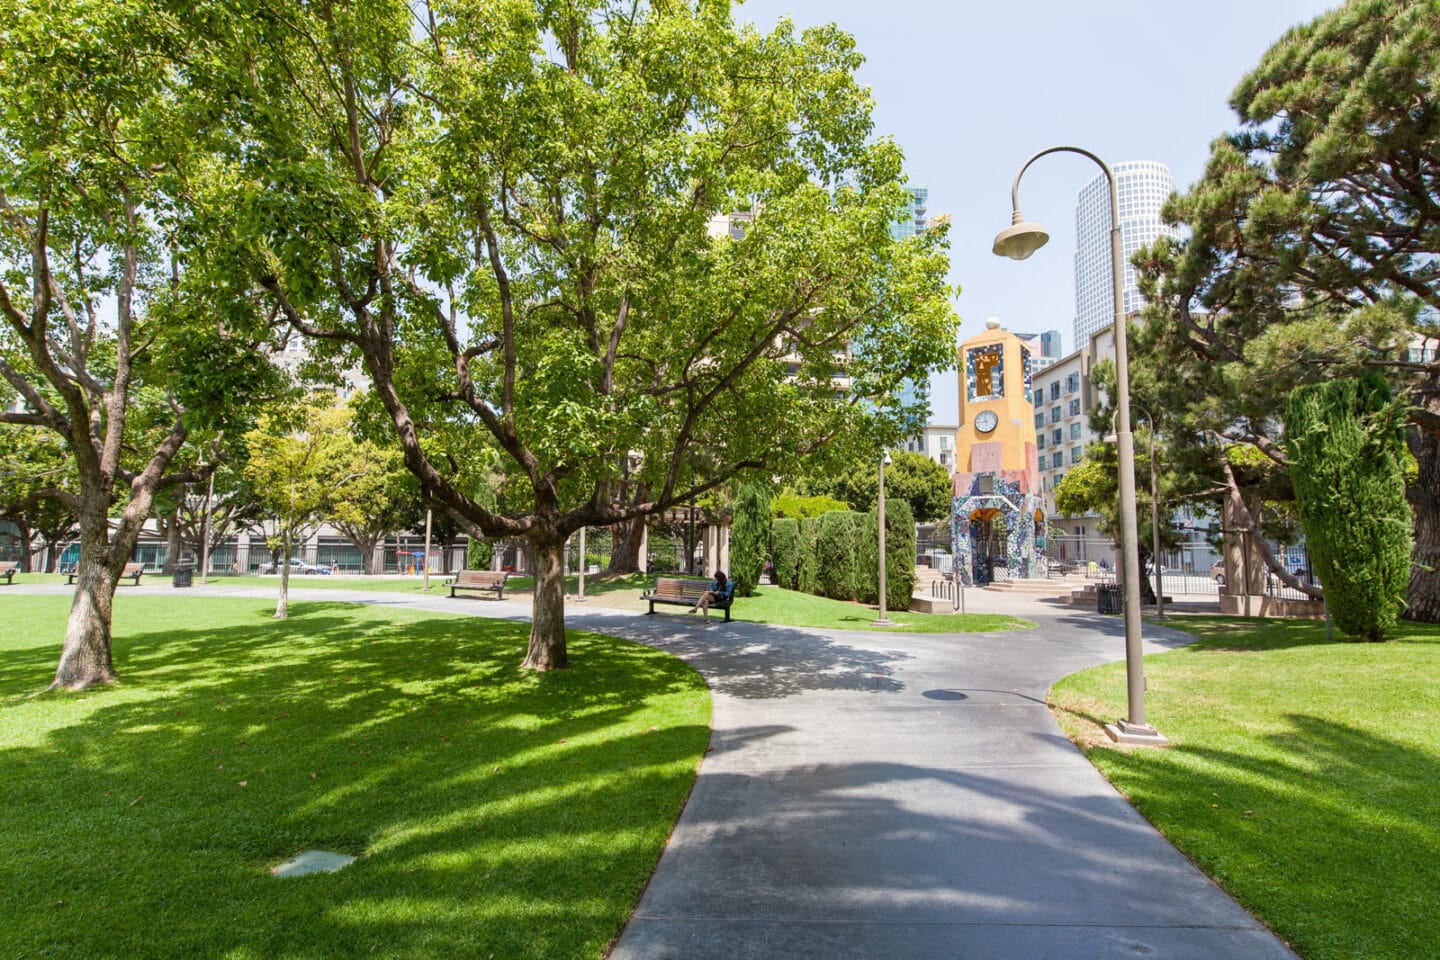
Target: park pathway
902, 796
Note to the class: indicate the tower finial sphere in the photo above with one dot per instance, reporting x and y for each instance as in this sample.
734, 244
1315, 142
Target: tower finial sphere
992, 324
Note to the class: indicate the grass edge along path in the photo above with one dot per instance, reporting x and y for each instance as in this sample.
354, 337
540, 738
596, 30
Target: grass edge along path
791, 608
495, 811
1301, 775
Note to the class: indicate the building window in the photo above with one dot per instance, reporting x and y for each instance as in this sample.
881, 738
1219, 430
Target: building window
1054, 414
1057, 459
1074, 408
1058, 478
1039, 419
1072, 383
1076, 453
1055, 390
944, 443
1074, 431
1039, 445
1056, 437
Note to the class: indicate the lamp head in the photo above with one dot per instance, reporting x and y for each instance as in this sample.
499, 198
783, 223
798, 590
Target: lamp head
1020, 239
887, 461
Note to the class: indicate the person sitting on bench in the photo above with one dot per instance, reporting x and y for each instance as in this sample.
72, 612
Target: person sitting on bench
715, 591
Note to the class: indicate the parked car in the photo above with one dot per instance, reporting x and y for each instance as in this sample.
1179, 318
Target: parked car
1217, 571
296, 566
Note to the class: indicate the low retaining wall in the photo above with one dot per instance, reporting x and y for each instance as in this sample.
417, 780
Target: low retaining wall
1262, 606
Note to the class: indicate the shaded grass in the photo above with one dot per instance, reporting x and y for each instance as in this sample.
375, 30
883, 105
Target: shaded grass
495, 811
595, 585
1302, 776
792, 608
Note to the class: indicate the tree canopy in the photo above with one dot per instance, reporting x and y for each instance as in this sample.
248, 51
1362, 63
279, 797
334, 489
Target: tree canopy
636, 249
1309, 254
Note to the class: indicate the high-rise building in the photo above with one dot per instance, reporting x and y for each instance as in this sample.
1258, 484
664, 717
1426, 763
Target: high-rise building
914, 220
1143, 187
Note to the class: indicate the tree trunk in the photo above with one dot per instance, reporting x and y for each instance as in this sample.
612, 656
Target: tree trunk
172, 542
1423, 595
625, 556
547, 623
85, 657
27, 545
282, 606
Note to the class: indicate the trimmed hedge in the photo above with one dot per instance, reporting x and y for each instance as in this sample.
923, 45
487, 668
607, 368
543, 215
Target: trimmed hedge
805, 578
1346, 443
785, 550
749, 538
835, 568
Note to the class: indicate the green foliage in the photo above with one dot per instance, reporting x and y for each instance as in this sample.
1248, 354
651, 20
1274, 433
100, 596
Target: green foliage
911, 476
786, 551
1347, 454
479, 553
836, 572
899, 553
1307, 253
749, 538
799, 507
808, 572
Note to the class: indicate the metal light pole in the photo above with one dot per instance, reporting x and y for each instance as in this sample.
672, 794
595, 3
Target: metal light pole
1154, 513
882, 620
425, 561
1018, 241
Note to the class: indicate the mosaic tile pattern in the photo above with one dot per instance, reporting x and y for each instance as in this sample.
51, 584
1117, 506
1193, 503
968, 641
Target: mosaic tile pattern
1014, 501
1028, 366
997, 372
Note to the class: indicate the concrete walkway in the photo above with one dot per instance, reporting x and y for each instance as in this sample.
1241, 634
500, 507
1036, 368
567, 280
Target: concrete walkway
906, 796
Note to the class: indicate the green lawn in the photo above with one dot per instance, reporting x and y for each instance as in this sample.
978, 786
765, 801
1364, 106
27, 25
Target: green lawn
496, 812
1303, 775
595, 585
791, 608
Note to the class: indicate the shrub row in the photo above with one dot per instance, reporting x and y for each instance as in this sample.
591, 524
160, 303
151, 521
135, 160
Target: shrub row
837, 555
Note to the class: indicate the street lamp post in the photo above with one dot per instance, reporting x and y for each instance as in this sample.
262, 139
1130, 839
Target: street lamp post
1018, 241
882, 620
1154, 513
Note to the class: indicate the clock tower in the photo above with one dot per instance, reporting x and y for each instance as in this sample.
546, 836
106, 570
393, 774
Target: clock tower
996, 519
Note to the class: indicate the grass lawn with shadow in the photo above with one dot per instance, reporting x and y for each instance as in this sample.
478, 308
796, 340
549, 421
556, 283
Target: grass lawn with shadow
1302, 775
495, 812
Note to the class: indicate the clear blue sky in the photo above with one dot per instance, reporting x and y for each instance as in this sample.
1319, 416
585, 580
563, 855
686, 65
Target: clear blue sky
1128, 80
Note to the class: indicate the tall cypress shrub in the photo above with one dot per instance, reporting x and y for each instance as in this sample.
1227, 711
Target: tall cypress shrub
478, 553
835, 554
1346, 444
749, 538
805, 574
899, 556
785, 551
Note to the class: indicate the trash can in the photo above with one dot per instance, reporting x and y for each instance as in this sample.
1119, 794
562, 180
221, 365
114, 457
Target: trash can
184, 575
1107, 598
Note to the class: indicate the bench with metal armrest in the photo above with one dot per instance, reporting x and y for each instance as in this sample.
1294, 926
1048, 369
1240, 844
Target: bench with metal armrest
486, 580
686, 593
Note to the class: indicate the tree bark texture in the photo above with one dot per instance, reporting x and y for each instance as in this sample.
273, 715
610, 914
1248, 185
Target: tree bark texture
282, 605
625, 557
1423, 595
85, 657
547, 626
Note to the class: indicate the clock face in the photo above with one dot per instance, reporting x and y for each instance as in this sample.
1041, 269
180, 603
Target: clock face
986, 420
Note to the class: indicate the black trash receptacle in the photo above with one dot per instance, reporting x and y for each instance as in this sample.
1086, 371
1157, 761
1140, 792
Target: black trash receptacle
1107, 598
184, 575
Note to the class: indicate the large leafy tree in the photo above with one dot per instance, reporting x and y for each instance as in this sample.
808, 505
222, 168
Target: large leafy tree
296, 458
1311, 254
105, 336
505, 213
912, 477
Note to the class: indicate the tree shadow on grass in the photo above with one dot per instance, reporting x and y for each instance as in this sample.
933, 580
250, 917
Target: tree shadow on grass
1304, 826
495, 811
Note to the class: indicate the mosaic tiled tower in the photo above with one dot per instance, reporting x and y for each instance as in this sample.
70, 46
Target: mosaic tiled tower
997, 474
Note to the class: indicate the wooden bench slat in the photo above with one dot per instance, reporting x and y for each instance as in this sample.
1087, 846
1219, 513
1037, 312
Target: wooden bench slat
480, 580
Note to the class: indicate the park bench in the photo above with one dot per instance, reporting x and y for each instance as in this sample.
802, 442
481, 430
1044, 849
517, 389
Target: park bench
685, 593
480, 580
132, 571
8, 570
